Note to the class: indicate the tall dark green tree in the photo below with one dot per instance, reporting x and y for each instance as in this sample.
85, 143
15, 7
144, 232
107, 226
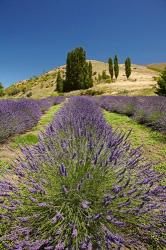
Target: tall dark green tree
128, 67
116, 66
111, 67
59, 86
161, 84
78, 71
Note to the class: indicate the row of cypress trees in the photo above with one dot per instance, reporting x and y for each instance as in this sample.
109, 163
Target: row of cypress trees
114, 67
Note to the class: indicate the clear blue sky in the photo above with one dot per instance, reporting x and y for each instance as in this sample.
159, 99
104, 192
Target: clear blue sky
35, 35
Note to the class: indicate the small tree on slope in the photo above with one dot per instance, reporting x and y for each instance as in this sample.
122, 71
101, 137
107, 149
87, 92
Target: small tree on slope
161, 84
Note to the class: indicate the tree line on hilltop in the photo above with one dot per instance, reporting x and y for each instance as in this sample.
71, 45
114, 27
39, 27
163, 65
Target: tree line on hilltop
79, 74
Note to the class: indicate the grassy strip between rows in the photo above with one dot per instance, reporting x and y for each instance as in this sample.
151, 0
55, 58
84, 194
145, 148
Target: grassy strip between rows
31, 137
153, 142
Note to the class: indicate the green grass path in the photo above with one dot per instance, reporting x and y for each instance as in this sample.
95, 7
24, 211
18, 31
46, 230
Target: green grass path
153, 142
31, 137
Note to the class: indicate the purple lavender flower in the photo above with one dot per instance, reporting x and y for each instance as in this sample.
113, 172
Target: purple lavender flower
60, 246
42, 204
56, 218
85, 204
74, 232
63, 170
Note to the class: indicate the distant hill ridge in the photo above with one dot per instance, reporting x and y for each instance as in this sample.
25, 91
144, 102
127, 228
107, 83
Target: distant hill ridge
157, 66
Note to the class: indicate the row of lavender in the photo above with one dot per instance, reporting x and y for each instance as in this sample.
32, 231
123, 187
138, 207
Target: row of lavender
82, 187
17, 116
149, 110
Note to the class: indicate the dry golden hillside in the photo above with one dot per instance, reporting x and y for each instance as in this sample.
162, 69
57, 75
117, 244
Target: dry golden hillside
141, 82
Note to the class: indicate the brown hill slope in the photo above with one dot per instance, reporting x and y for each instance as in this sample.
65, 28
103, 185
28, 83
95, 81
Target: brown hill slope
141, 82
157, 66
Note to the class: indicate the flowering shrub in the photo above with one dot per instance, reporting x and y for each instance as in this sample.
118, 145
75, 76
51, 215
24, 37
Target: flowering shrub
17, 116
148, 110
81, 187
46, 103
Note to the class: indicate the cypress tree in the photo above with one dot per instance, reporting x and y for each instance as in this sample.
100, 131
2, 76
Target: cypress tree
116, 66
161, 84
128, 67
59, 86
78, 71
111, 68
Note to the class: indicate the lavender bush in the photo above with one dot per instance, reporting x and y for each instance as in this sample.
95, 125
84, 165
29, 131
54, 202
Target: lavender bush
17, 116
149, 110
81, 187
46, 103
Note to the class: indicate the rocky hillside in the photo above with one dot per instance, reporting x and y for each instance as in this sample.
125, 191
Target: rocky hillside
141, 82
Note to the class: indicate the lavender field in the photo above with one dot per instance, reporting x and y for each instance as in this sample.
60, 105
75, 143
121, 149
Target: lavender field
83, 185
149, 110
18, 116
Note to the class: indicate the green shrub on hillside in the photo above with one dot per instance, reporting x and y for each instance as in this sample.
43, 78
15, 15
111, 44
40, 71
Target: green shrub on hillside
12, 90
104, 75
161, 84
92, 92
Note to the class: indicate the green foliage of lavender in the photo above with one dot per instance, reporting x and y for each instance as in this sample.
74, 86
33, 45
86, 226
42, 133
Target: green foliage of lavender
81, 187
